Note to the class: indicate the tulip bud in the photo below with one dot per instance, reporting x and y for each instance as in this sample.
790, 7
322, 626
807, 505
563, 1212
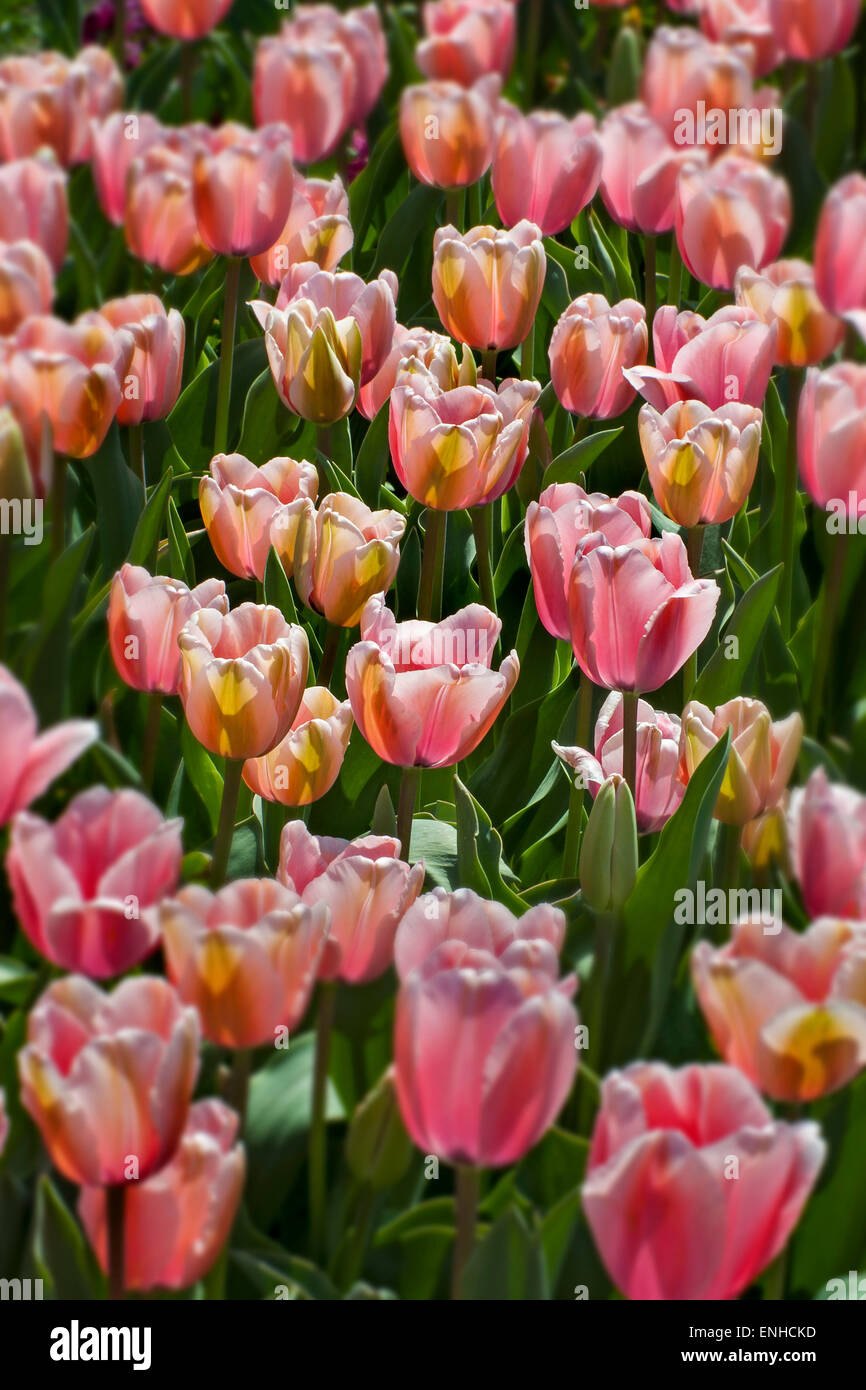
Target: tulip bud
378, 1149
608, 855
15, 477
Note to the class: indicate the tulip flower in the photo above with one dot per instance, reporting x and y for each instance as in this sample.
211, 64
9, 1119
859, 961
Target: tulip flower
784, 293
117, 141
176, 1222
185, 19
592, 345
667, 1220
556, 524
639, 170
26, 283
545, 168
809, 33
466, 39
636, 612
840, 251
242, 188
683, 68
487, 284
145, 616
827, 847
34, 206
728, 357
31, 761
473, 1034
306, 763
659, 790
47, 99
763, 754
359, 33
347, 297
84, 888
107, 1078
742, 23
462, 445
317, 230
485, 926
787, 1008
448, 131
152, 383
159, 221
831, 437
406, 343
728, 214
241, 504
315, 360
343, 554
245, 958
701, 463
242, 678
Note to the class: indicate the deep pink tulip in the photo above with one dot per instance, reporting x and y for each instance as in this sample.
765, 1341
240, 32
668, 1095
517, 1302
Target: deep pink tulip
145, 616
108, 1077
592, 346
117, 141
840, 251
658, 789
306, 763
30, 761
728, 357
242, 188
176, 1222
827, 847
423, 694
448, 131
636, 612
668, 1219
317, 229
348, 297
784, 293
84, 888
808, 31
741, 24
831, 437
730, 213
556, 524
466, 39
545, 167
152, 382
34, 205
473, 1034
639, 169
485, 926
185, 19
240, 504
26, 283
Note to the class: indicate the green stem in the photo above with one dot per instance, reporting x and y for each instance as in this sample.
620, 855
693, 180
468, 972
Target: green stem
829, 616
468, 1185
675, 273
329, 654
353, 1258
115, 1201
225, 829
789, 503
777, 1278
575, 804
852, 337
527, 354
187, 69
476, 211
432, 565
488, 364
694, 548
237, 1089
650, 288
151, 738
5, 566
728, 860
227, 348
58, 509
455, 208
629, 740
481, 528
318, 1178
136, 456
533, 43
409, 783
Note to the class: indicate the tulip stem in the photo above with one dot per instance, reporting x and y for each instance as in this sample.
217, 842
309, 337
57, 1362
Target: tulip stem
58, 509
675, 273
227, 348
694, 549
352, 1260
728, 860
409, 783
474, 198
5, 566
571, 856
432, 566
828, 615
225, 829
481, 528
455, 207
533, 43
527, 354
468, 1184
629, 740
789, 504
329, 654
136, 456
650, 287
115, 1202
488, 364
318, 1148
187, 69
238, 1084
151, 738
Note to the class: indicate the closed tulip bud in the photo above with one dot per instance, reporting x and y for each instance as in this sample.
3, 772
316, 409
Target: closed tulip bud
728, 357
639, 170
608, 853
809, 32
306, 763
16, 480
466, 39
701, 463
487, 284
185, 19
317, 230
343, 554
592, 346
831, 437
152, 383
784, 293
315, 360
545, 167
117, 141
448, 131
827, 844
378, 1149
840, 251
242, 188
762, 757
26, 283
730, 213
159, 220
242, 506
34, 205
145, 616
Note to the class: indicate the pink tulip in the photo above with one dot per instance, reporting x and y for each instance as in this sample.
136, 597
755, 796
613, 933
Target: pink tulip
448, 131
241, 504
117, 141
682, 68
592, 346
423, 694
306, 763
315, 359
701, 463
806, 31
406, 343
307, 82
827, 847
636, 612
668, 1221
741, 24
343, 554
33, 205
658, 790
762, 757
108, 1077
317, 229
840, 251
145, 616
487, 284
473, 1035
160, 223
556, 524
356, 37
31, 761
728, 214
639, 169
47, 99
176, 1223
367, 889
84, 888
152, 383
484, 926
466, 39
26, 283
728, 357
545, 168
348, 297
831, 437
245, 958
242, 188
784, 294
185, 19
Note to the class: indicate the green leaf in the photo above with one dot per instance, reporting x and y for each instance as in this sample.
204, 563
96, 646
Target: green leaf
191, 422
277, 588
181, 563
16, 980
831, 1236
203, 774
61, 1254
151, 523
119, 499
479, 851
614, 268
724, 675
371, 465
507, 1264
568, 466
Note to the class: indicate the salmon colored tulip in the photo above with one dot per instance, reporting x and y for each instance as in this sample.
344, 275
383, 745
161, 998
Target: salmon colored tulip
185, 19
315, 360
245, 958
636, 612
343, 554
728, 357
840, 251
317, 229
762, 758
347, 296
592, 346
784, 293
240, 504
26, 283
84, 888
152, 383
827, 847
30, 761
47, 99
639, 169
474, 1036
176, 1222
448, 131
34, 206
810, 32
457, 446
831, 437
683, 68
406, 343
160, 222
787, 1008
545, 167
117, 141
242, 188
107, 1078
701, 462
487, 284
658, 790
730, 213
466, 39
424, 694
306, 763
668, 1220
741, 24
485, 926
145, 616
556, 524
242, 678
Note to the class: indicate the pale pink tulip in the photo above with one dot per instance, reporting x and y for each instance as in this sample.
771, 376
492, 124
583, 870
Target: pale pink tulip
306, 763
152, 382
784, 293
47, 99
159, 220
485, 926
406, 343
145, 616
807, 31
308, 84
117, 141
31, 761
701, 462
348, 297
545, 167
240, 504
357, 33
34, 205
26, 283
317, 229
315, 359
827, 847
741, 24
592, 346
639, 169
682, 68
831, 438
728, 357
185, 19
840, 251
466, 39
762, 757
730, 213
242, 188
